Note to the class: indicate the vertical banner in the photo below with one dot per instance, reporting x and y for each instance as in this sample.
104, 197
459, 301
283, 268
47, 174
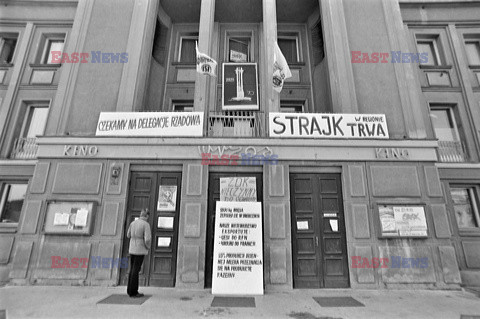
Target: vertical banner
237, 253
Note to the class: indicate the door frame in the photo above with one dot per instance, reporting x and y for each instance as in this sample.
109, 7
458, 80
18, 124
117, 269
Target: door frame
320, 245
150, 169
210, 221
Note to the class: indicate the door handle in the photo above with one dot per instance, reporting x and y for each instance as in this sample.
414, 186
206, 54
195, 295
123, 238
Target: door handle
316, 240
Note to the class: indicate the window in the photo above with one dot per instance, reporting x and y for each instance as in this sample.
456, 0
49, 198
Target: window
54, 43
451, 148
444, 124
429, 44
292, 106
239, 49
8, 42
187, 53
473, 52
35, 121
11, 201
182, 106
465, 206
289, 47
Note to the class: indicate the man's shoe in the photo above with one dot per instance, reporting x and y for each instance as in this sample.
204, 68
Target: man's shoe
139, 295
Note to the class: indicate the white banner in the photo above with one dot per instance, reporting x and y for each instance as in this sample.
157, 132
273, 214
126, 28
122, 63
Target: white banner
237, 253
328, 125
150, 124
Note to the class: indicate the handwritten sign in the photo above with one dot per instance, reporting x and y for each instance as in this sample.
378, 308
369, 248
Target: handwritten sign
403, 221
238, 189
326, 125
150, 124
238, 256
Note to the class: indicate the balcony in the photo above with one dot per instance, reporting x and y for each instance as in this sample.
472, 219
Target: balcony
451, 152
235, 124
25, 148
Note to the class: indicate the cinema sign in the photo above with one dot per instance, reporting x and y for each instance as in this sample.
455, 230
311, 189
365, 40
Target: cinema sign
328, 125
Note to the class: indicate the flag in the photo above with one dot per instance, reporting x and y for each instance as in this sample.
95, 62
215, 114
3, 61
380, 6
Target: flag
205, 64
281, 71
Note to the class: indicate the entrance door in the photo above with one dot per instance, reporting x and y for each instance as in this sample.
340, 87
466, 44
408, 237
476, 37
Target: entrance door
318, 231
213, 197
159, 266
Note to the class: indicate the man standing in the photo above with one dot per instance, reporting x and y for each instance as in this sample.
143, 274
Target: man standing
140, 240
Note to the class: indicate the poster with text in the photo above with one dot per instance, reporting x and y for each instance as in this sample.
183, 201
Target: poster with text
238, 249
167, 198
238, 189
410, 221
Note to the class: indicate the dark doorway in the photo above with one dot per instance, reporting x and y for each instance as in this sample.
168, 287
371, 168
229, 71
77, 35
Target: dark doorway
159, 266
318, 231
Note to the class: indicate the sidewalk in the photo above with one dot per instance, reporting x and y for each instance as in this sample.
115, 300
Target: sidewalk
81, 302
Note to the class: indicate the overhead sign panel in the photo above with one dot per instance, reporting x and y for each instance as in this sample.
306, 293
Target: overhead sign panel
328, 125
150, 124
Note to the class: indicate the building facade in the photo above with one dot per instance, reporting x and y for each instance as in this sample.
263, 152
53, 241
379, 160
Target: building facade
389, 202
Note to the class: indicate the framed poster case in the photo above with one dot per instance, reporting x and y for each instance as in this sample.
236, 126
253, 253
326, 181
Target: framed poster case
69, 217
240, 86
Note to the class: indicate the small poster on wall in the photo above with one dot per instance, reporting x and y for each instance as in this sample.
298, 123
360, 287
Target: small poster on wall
402, 221
167, 198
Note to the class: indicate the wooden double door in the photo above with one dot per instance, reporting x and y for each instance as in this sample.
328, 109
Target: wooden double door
160, 193
318, 231
213, 197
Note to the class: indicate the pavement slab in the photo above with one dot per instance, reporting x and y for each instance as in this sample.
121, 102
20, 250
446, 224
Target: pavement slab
83, 302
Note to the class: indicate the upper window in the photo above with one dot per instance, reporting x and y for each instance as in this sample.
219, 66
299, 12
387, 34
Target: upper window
289, 46
465, 206
292, 106
11, 201
451, 148
473, 52
444, 123
239, 49
53, 45
182, 105
187, 53
429, 44
35, 121
8, 43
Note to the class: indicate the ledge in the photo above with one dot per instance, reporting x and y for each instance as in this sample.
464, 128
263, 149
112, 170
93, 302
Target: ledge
192, 148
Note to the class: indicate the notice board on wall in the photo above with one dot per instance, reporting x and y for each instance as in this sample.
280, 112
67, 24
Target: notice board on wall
69, 218
402, 221
238, 249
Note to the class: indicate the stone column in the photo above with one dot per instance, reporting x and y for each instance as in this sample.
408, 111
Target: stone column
337, 51
271, 100
205, 40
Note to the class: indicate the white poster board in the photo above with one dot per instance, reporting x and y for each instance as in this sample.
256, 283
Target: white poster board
403, 221
150, 124
238, 249
238, 189
167, 198
327, 125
